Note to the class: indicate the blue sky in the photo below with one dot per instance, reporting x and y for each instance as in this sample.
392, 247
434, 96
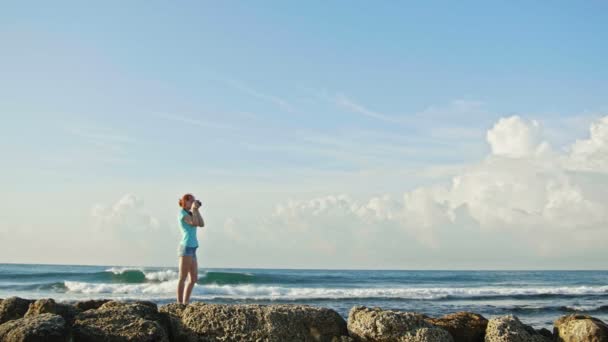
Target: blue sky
251, 105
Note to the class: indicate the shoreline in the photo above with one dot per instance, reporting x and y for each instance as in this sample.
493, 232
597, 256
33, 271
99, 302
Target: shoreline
136, 320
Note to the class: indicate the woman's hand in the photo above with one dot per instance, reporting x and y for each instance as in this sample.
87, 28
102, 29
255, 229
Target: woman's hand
195, 205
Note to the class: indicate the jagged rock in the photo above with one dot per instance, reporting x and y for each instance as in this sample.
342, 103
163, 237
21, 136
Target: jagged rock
377, 325
258, 322
119, 321
178, 332
48, 305
90, 304
509, 328
46, 327
463, 326
545, 332
13, 308
578, 327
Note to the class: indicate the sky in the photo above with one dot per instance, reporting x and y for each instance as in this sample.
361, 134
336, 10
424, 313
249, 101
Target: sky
351, 135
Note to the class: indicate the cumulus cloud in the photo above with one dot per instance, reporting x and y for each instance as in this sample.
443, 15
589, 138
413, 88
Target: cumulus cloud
523, 198
515, 137
127, 214
592, 154
126, 233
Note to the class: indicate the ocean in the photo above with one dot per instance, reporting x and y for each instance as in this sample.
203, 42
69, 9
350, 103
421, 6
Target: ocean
537, 297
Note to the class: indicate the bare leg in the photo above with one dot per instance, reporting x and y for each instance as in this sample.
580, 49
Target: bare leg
184, 266
193, 278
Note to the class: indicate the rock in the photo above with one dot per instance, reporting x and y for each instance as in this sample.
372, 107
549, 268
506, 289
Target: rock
13, 308
463, 326
258, 322
545, 332
178, 332
46, 327
578, 327
343, 339
90, 304
48, 305
120, 321
377, 325
509, 328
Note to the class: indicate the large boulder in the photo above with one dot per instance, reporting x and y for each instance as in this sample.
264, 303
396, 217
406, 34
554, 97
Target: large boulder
258, 322
579, 327
13, 308
48, 305
509, 328
463, 326
377, 325
120, 321
46, 327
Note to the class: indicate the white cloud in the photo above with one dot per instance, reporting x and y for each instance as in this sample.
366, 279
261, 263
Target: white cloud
523, 201
514, 137
592, 154
126, 215
125, 233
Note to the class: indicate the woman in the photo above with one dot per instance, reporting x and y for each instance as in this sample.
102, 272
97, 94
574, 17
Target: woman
189, 218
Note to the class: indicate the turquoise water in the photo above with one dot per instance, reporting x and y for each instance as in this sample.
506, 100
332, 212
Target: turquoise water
537, 297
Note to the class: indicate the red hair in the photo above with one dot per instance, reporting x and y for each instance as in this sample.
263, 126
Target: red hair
182, 201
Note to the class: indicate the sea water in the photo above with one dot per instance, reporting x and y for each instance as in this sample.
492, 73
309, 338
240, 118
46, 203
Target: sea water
536, 297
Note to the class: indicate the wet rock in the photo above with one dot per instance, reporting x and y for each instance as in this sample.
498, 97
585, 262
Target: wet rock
378, 325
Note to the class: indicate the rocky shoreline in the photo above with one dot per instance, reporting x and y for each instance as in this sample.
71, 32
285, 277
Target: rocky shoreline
106, 320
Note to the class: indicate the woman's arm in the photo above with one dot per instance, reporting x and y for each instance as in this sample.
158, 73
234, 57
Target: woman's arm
198, 218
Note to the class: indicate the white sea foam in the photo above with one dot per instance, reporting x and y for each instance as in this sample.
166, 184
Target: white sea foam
261, 292
161, 275
121, 270
586, 307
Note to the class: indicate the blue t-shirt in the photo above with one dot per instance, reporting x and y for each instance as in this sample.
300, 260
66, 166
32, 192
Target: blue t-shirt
188, 231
